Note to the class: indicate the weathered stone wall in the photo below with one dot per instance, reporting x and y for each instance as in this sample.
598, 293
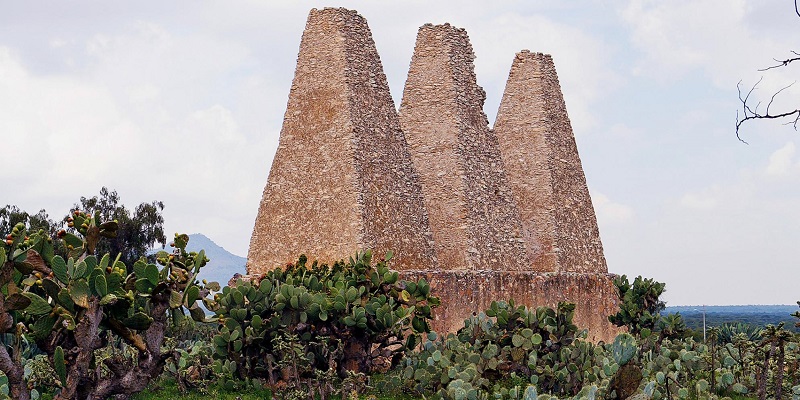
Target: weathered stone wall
473, 217
342, 179
482, 214
465, 292
544, 170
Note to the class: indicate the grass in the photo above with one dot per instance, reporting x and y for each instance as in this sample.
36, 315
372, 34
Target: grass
168, 390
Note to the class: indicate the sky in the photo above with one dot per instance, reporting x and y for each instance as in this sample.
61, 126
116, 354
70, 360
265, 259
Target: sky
183, 101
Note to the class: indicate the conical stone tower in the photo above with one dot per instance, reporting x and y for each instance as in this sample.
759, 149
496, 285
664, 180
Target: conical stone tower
473, 216
342, 179
509, 209
544, 170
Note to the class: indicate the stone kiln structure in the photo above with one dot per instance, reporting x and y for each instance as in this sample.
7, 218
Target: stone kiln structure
544, 171
472, 215
342, 178
483, 214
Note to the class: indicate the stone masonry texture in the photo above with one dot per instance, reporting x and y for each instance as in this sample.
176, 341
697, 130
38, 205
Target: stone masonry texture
473, 218
464, 292
483, 214
544, 170
342, 178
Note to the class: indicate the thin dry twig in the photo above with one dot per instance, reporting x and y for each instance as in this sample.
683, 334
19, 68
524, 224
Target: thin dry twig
783, 63
750, 113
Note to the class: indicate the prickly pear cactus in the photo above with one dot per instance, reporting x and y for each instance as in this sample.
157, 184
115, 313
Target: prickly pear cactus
541, 347
624, 348
66, 306
356, 316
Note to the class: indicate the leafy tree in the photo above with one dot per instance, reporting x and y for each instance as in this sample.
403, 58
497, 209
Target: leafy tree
136, 233
640, 307
11, 215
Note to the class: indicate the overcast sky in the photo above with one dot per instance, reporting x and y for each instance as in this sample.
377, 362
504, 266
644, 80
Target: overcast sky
182, 101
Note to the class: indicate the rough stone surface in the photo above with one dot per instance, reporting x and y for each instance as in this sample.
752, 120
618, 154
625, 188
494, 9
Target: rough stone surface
544, 170
465, 292
482, 214
473, 218
342, 179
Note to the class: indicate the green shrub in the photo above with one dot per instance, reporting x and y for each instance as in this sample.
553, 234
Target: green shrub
72, 308
640, 306
294, 322
505, 345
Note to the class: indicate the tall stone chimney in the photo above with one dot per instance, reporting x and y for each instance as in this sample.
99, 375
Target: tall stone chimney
473, 218
342, 179
544, 170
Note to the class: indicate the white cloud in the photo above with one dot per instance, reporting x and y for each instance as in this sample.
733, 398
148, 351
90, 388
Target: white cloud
63, 131
609, 212
57, 43
781, 162
216, 122
734, 196
143, 118
704, 201
738, 234
581, 59
720, 37
142, 92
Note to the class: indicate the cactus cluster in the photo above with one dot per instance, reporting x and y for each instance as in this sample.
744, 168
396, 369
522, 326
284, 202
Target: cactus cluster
309, 328
506, 351
191, 364
70, 308
539, 346
350, 316
640, 307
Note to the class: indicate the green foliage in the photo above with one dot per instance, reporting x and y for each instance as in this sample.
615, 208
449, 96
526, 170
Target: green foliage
539, 346
623, 349
136, 231
355, 316
729, 331
640, 306
191, 365
72, 308
672, 326
12, 215
492, 358
167, 389
304, 330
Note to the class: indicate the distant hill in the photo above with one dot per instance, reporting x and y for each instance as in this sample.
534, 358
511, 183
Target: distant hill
759, 315
222, 264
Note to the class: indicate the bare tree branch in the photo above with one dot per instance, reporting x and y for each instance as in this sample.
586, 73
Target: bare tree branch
783, 63
750, 113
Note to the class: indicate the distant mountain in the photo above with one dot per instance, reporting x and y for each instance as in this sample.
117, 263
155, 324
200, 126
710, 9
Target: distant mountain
222, 265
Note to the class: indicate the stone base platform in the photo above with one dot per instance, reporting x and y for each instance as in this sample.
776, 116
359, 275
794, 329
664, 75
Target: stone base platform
464, 291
